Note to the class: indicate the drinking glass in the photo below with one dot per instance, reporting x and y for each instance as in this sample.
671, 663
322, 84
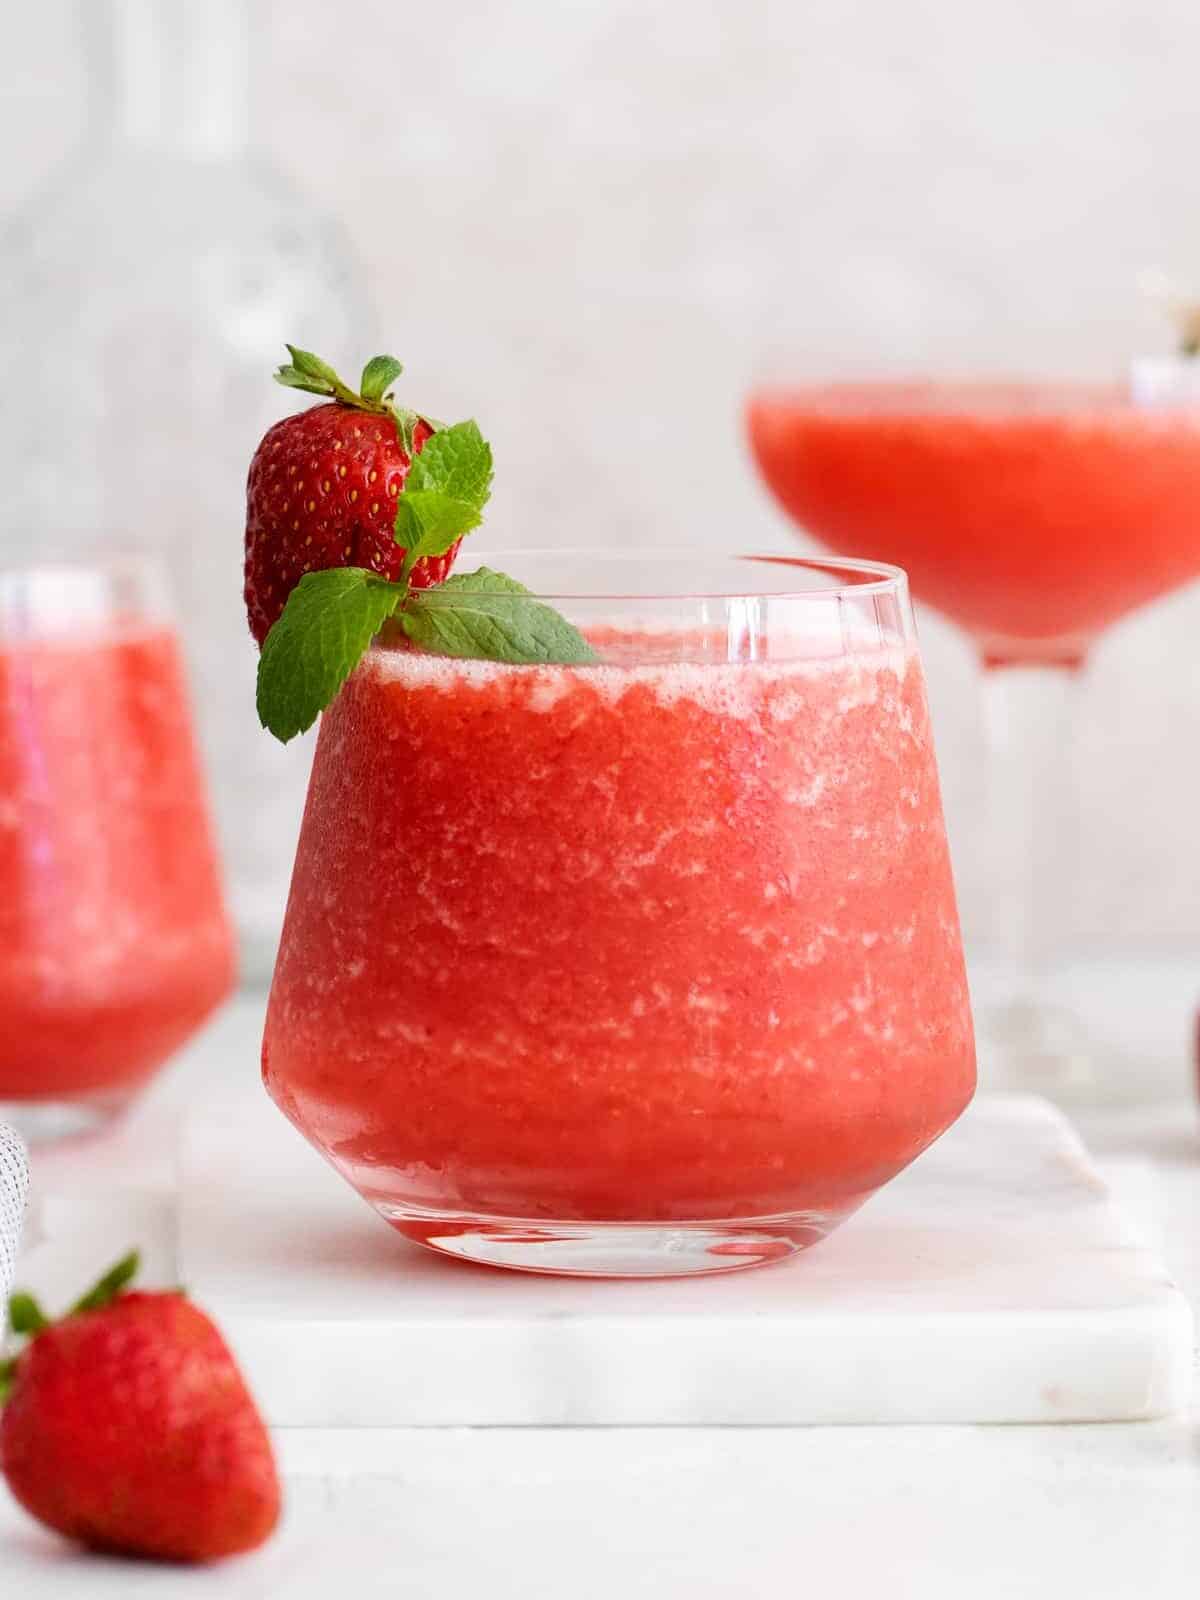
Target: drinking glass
1035, 515
114, 943
164, 264
645, 966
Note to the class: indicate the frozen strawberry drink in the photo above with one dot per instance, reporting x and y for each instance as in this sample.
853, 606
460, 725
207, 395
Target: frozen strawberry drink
1034, 515
114, 944
643, 963
621, 938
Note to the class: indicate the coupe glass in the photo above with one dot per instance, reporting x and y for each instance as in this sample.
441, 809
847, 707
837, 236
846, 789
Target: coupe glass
1034, 515
647, 966
114, 944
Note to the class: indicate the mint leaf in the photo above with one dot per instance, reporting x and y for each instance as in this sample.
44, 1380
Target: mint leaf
433, 521
457, 462
378, 376
444, 495
329, 620
488, 616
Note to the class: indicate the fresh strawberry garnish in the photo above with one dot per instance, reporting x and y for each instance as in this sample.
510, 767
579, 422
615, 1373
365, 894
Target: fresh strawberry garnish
354, 513
128, 1426
324, 484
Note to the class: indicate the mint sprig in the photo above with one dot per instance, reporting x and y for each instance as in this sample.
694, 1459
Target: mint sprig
488, 616
445, 492
331, 617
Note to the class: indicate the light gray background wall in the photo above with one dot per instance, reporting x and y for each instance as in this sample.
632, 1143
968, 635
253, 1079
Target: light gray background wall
590, 223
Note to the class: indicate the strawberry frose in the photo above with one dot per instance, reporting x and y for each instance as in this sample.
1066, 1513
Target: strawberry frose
114, 944
644, 943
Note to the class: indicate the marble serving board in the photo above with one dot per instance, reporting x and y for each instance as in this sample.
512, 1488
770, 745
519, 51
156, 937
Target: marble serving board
992, 1282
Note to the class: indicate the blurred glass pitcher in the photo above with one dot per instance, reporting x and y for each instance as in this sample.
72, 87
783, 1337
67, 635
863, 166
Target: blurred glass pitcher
151, 287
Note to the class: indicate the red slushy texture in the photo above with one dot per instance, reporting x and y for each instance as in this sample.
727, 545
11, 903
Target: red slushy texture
622, 942
1021, 513
113, 938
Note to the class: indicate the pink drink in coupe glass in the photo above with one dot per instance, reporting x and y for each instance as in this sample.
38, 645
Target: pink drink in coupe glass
114, 944
668, 940
1035, 515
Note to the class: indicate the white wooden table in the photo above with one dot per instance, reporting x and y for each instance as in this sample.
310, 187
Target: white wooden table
1098, 1511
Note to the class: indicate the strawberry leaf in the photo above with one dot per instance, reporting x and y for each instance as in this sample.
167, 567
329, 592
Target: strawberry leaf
447, 487
329, 620
293, 378
25, 1316
109, 1286
406, 427
378, 376
488, 616
319, 376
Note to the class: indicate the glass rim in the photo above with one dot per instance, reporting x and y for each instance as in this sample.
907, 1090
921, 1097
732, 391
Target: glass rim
101, 563
867, 578
1017, 396
53, 595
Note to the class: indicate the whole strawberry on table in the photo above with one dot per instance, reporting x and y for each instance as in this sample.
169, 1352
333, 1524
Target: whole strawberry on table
355, 511
126, 1425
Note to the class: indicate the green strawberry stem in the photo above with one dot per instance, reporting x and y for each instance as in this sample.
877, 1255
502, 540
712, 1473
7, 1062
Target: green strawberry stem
310, 373
108, 1287
25, 1316
27, 1319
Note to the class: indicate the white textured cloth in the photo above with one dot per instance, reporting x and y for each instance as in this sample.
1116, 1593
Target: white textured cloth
14, 1184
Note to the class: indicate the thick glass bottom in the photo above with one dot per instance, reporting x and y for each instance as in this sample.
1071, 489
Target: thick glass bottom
616, 1249
44, 1121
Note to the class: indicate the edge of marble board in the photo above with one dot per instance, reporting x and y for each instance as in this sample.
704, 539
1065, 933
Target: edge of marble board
543, 1359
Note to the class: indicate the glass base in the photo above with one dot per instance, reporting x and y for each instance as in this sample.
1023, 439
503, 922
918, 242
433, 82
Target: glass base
44, 1121
616, 1249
